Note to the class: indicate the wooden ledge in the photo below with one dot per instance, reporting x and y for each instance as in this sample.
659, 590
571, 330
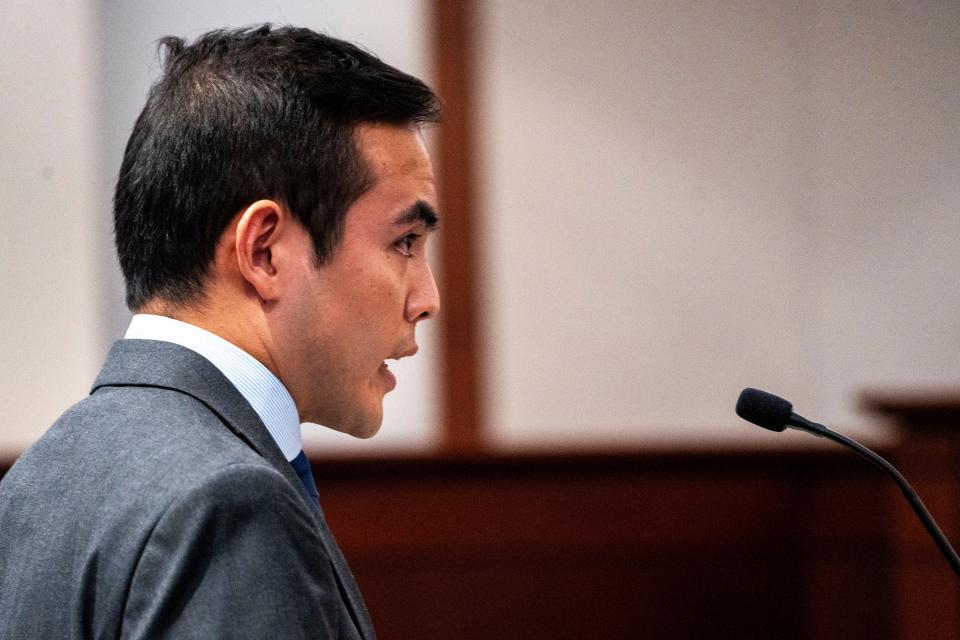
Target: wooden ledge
929, 406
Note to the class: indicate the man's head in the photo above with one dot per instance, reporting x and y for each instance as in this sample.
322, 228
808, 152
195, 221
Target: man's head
257, 197
241, 115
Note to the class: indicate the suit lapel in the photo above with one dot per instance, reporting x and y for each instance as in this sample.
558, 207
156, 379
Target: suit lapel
166, 365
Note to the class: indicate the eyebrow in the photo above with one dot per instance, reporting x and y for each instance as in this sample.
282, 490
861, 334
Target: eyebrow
419, 212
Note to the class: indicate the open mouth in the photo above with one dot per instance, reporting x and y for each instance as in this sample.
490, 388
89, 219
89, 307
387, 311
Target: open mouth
387, 375
384, 370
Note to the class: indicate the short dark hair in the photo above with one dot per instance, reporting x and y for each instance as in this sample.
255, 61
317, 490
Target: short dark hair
240, 115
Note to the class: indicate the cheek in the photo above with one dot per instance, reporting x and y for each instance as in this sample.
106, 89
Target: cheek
378, 298
373, 330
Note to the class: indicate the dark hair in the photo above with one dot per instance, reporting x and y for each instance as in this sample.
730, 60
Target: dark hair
240, 115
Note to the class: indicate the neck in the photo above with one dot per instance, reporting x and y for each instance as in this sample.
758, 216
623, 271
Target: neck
245, 330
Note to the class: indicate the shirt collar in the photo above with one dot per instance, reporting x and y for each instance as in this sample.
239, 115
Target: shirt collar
257, 384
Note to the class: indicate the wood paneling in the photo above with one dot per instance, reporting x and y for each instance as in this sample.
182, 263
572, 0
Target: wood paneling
926, 598
684, 545
461, 405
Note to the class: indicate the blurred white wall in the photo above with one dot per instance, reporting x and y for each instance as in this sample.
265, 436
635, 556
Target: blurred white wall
685, 198
49, 347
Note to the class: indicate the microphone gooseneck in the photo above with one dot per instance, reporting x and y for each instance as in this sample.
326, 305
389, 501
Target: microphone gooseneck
776, 414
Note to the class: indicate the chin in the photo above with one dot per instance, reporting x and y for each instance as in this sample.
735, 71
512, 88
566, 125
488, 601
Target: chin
357, 419
366, 430
362, 425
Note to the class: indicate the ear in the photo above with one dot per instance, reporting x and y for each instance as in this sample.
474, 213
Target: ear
260, 229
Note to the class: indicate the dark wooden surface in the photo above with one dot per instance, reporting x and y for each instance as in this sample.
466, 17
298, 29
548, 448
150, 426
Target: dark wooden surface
926, 599
628, 545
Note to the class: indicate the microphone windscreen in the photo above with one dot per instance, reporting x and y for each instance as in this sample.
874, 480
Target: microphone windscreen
764, 409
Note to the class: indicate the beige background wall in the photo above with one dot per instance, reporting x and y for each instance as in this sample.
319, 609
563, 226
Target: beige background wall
685, 198
49, 347
679, 199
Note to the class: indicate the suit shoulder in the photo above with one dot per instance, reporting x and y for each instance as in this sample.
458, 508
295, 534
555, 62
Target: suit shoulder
165, 428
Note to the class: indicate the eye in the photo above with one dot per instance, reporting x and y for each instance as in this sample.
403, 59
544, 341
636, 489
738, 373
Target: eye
405, 244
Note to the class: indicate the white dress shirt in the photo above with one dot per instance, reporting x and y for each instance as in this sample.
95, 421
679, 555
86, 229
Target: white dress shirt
257, 384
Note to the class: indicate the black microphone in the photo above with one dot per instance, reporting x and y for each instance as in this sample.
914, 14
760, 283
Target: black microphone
776, 414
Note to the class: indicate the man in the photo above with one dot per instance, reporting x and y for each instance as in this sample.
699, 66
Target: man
271, 216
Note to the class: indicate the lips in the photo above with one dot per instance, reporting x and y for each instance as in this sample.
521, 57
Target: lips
384, 370
409, 351
388, 377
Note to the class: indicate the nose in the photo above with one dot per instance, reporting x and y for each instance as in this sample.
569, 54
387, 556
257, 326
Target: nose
423, 302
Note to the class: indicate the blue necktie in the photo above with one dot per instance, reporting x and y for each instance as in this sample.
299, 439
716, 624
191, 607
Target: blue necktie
302, 466
346, 586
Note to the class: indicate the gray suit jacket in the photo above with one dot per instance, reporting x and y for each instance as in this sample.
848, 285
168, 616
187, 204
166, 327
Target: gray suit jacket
160, 507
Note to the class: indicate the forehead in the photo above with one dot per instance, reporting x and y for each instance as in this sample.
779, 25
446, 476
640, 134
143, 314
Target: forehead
393, 151
402, 178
